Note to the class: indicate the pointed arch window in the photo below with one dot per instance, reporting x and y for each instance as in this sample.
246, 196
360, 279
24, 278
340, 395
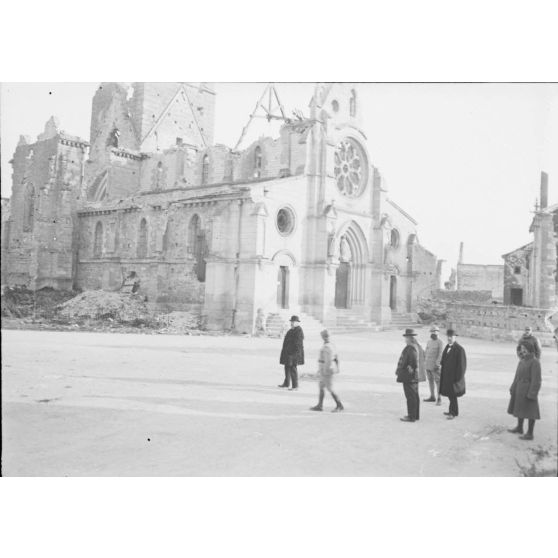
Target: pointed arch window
352, 103
98, 240
142, 239
205, 169
258, 159
197, 246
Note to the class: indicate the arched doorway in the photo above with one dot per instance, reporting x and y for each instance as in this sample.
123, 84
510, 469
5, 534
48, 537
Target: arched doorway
287, 282
283, 287
393, 292
350, 279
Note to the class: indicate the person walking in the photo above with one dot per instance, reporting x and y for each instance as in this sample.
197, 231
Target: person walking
434, 350
452, 375
292, 354
524, 391
328, 363
407, 373
528, 336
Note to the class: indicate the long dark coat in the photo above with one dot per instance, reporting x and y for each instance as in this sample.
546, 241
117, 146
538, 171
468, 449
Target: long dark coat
408, 365
454, 364
525, 388
293, 347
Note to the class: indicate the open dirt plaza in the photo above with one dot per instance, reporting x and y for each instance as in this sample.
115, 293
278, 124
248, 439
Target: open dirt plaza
98, 404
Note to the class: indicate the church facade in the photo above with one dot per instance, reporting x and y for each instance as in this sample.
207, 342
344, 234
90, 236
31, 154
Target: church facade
301, 223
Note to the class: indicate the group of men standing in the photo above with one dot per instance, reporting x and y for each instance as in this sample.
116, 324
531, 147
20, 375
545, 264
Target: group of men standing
443, 366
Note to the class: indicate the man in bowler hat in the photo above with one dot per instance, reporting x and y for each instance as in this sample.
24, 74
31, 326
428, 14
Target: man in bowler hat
407, 373
452, 377
292, 354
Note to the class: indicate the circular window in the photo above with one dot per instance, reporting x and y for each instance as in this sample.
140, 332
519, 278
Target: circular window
285, 221
394, 238
350, 168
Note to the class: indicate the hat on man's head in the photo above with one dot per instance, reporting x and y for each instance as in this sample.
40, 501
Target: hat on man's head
409, 332
451, 333
434, 329
324, 333
294, 319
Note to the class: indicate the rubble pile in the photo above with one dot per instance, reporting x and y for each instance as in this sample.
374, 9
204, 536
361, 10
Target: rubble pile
20, 302
124, 308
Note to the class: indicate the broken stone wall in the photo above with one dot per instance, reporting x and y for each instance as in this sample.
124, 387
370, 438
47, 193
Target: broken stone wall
46, 192
500, 323
516, 273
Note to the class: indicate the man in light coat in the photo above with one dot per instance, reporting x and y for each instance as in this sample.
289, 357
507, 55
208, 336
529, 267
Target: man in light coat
328, 366
434, 350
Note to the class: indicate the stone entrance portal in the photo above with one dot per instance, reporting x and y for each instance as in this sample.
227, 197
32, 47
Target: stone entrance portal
342, 281
393, 293
283, 287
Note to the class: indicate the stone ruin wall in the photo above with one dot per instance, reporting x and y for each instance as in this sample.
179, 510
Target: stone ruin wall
493, 322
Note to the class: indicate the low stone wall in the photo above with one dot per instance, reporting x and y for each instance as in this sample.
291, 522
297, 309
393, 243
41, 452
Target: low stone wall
500, 323
473, 297
489, 321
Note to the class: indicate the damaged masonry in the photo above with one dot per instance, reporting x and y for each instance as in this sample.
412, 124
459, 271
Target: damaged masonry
300, 224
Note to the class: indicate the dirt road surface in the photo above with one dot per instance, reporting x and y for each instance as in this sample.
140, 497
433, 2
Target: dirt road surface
96, 404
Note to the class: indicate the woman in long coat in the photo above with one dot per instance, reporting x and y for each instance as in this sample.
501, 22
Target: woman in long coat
524, 391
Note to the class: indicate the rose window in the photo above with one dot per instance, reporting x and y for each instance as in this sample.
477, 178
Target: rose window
285, 221
350, 168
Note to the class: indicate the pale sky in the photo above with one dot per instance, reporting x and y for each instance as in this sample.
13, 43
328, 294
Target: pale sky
463, 159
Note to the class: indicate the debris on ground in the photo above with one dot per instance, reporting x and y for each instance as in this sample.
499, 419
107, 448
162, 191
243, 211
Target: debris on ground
124, 308
179, 322
125, 312
21, 302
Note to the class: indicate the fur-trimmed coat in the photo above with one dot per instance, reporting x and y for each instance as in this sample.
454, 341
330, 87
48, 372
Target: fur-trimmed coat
525, 388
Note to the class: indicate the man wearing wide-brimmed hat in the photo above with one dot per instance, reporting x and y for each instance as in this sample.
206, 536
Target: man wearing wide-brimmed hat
452, 377
408, 374
292, 354
434, 350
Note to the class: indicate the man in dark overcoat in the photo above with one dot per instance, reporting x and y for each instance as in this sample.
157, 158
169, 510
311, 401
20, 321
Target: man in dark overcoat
452, 377
407, 373
292, 354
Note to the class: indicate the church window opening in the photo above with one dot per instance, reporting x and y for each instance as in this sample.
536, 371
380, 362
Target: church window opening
114, 137
98, 240
517, 270
352, 103
258, 162
29, 207
205, 169
335, 106
197, 246
350, 168
285, 221
142, 239
394, 238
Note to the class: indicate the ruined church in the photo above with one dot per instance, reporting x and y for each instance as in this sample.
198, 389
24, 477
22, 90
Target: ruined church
300, 223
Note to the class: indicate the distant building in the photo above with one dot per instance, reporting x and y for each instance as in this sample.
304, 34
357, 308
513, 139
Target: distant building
479, 277
531, 271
